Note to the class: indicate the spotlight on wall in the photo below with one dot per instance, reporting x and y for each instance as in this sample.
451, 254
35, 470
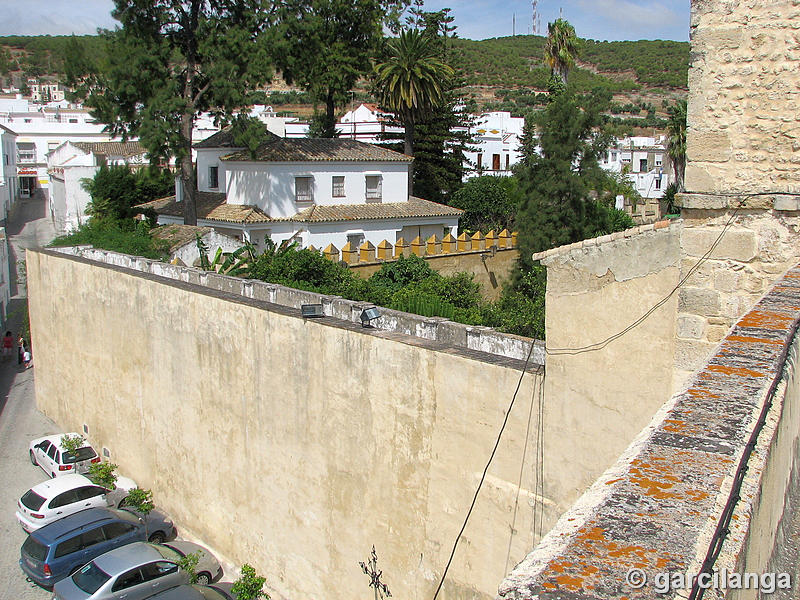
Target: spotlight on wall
369, 314
311, 311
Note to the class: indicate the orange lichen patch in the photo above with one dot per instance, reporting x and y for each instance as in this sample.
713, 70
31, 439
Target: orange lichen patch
764, 319
615, 551
661, 563
674, 425
595, 534
753, 340
700, 393
589, 570
740, 371
697, 495
735, 517
574, 583
549, 585
614, 481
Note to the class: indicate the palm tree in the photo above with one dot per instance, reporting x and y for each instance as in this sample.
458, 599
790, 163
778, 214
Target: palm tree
676, 140
561, 48
411, 83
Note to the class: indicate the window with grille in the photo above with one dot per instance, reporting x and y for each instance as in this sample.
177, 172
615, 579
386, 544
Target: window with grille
213, 177
304, 189
373, 187
338, 186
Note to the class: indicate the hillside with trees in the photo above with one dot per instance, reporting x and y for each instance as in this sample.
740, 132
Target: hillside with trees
505, 73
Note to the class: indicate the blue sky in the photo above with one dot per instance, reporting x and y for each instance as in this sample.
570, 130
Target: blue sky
476, 19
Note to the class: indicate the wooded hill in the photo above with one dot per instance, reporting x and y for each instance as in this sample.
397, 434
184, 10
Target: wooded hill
501, 73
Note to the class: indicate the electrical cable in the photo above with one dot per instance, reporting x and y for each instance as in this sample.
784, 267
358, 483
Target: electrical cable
602, 344
591, 348
485, 471
521, 472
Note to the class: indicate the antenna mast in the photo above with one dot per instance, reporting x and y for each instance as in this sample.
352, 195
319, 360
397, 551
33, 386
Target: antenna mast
537, 19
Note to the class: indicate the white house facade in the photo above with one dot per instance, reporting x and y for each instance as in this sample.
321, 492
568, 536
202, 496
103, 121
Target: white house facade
646, 162
72, 162
496, 138
8, 171
313, 191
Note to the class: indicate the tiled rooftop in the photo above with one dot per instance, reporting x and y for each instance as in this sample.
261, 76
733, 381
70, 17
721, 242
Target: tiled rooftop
112, 148
318, 149
224, 139
212, 206
178, 235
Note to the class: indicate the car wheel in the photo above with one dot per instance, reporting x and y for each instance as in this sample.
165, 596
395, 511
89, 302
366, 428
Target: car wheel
33, 458
204, 578
157, 538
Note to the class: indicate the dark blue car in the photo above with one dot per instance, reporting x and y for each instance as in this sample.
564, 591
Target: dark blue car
59, 549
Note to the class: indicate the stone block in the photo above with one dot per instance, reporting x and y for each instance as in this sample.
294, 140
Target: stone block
707, 146
690, 355
726, 280
691, 327
733, 307
699, 301
735, 244
787, 203
716, 333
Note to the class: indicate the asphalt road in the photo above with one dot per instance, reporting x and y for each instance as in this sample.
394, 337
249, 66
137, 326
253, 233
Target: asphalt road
28, 226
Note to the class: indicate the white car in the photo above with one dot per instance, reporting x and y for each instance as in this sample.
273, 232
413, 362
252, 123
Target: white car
48, 454
66, 495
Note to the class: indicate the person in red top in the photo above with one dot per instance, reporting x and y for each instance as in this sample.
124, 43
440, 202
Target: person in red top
8, 344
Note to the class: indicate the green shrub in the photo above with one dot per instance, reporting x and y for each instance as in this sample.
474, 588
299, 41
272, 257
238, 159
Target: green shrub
127, 237
140, 500
103, 475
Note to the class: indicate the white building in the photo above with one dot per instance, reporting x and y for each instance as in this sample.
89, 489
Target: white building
72, 162
9, 189
313, 191
497, 137
646, 161
367, 124
46, 91
5, 277
41, 131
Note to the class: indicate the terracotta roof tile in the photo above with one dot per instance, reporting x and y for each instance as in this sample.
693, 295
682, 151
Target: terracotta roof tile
178, 235
211, 206
111, 148
415, 207
318, 149
224, 139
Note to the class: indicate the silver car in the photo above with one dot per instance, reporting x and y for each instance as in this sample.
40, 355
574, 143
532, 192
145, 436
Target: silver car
135, 572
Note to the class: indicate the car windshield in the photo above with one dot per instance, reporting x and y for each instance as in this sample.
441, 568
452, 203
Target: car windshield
90, 577
169, 552
34, 548
32, 500
85, 453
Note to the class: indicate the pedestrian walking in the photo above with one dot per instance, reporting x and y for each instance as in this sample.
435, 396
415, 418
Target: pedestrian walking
20, 348
8, 345
26, 359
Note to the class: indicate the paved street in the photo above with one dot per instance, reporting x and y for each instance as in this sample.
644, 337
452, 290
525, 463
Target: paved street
28, 226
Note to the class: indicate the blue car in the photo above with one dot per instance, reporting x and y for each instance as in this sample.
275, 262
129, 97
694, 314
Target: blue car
59, 549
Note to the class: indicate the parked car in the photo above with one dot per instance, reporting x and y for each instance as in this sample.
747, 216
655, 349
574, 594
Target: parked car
66, 495
62, 547
218, 591
134, 572
48, 453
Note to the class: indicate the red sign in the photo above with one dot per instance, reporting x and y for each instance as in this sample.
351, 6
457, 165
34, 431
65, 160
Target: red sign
26, 171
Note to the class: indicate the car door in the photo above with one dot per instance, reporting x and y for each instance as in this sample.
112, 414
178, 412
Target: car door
158, 576
40, 451
50, 461
126, 583
90, 496
65, 503
118, 534
92, 544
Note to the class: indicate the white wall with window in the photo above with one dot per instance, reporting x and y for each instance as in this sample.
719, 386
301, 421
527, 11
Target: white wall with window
207, 161
283, 189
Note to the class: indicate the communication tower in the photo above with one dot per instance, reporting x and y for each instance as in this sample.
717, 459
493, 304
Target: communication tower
537, 19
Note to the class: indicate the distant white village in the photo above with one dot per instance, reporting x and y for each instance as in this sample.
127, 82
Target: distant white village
315, 192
